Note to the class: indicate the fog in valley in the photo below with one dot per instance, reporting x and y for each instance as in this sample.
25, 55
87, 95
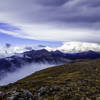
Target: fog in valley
23, 72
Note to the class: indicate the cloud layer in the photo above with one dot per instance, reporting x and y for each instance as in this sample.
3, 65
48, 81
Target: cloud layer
23, 72
57, 20
76, 47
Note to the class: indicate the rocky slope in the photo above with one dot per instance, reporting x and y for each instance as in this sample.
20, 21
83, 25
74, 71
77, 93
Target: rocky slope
76, 81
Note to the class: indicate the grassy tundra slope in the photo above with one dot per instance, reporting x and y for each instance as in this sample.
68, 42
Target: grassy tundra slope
76, 81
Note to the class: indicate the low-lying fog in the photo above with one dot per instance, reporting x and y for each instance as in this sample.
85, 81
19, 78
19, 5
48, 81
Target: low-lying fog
23, 72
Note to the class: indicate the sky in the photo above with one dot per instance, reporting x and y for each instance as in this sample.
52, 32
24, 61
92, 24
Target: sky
49, 22
16, 41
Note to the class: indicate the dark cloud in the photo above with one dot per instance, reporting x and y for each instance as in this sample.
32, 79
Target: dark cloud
66, 14
8, 27
64, 11
51, 2
41, 46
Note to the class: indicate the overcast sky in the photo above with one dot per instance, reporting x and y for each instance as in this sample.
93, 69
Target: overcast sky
51, 20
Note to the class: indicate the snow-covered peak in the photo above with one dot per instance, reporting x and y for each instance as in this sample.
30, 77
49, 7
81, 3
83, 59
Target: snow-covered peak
74, 47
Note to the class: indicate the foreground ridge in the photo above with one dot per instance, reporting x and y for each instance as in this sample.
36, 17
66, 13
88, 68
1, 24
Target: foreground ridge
76, 81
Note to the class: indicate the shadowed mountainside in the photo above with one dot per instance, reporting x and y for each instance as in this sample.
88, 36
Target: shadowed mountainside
10, 64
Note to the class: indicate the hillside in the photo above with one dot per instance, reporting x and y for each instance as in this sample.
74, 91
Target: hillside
76, 81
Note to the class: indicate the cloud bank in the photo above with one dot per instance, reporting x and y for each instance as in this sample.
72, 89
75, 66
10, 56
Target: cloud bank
23, 72
76, 47
16, 50
54, 20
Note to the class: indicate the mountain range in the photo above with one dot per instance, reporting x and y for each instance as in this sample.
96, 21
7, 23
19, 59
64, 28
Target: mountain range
11, 64
66, 47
